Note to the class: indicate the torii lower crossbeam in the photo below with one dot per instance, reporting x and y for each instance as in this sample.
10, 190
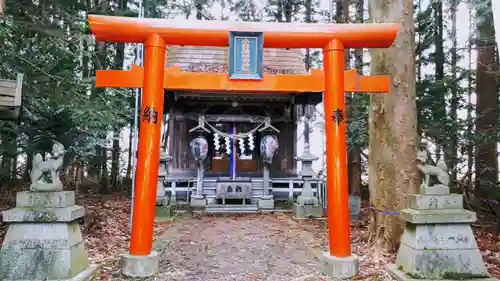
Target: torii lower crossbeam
175, 79
332, 38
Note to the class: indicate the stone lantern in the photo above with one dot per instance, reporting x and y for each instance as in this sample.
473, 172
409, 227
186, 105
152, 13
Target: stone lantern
161, 198
163, 203
268, 147
307, 204
199, 149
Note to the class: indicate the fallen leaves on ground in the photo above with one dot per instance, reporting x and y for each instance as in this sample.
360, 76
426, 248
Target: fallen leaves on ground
106, 230
372, 264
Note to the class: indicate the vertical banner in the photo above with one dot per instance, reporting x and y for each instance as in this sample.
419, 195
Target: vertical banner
234, 150
231, 155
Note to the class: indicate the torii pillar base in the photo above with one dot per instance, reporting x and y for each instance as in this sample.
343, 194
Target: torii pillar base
139, 266
339, 267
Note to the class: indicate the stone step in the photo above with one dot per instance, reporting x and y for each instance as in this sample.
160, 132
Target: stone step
438, 216
232, 209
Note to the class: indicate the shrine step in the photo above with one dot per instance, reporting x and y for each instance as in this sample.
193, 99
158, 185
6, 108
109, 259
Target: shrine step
232, 209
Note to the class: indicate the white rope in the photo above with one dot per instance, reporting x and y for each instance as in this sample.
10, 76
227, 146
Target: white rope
237, 135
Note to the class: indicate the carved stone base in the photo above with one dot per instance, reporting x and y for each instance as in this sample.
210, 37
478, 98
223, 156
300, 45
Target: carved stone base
308, 211
45, 243
238, 189
435, 251
164, 212
266, 203
438, 242
160, 193
354, 207
198, 201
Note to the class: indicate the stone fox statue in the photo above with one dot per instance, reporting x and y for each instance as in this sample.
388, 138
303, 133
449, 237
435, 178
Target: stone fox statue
440, 171
42, 170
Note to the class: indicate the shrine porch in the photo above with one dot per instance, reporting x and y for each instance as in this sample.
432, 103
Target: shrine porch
283, 187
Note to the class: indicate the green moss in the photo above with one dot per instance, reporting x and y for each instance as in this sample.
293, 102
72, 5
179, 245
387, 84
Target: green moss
73, 227
410, 227
462, 276
414, 276
451, 276
40, 215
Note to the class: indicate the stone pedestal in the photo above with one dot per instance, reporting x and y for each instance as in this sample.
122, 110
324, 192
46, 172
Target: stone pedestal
163, 207
44, 241
438, 242
198, 201
266, 203
161, 198
164, 213
354, 207
307, 207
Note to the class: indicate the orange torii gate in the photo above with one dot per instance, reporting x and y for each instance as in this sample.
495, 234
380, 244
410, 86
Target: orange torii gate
154, 78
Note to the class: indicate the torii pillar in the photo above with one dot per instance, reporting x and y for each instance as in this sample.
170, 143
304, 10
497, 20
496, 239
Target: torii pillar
156, 34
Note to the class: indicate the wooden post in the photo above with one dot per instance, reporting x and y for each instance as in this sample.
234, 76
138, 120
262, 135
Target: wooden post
336, 152
148, 158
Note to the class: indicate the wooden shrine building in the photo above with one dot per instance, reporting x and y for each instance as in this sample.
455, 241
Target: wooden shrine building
197, 86
240, 112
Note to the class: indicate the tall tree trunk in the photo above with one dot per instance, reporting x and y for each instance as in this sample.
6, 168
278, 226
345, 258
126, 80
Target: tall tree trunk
342, 16
128, 174
451, 155
115, 153
393, 125
14, 166
10, 152
199, 10
115, 160
486, 102
470, 121
440, 110
354, 154
288, 6
105, 188
99, 62
308, 18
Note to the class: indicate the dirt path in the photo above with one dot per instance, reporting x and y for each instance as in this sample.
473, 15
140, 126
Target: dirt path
251, 247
